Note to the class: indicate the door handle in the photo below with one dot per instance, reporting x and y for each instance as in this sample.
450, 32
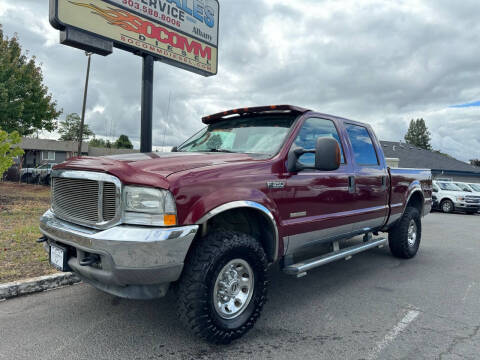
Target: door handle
384, 182
351, 184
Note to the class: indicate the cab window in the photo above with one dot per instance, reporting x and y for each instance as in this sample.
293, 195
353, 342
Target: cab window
312, 129
362, 145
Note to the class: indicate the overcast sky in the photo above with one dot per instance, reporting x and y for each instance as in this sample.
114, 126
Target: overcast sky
381, 62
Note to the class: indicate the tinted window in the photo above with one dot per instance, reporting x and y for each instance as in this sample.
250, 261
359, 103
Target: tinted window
362, 145
312, 129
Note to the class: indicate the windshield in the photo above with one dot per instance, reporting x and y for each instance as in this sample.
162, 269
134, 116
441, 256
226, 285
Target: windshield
475, 187
257, 135
449, 186
464, 187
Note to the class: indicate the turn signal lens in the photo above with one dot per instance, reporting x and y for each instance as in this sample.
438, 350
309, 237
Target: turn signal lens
169, 220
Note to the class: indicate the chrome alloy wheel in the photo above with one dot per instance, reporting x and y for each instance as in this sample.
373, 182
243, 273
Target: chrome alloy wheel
233, 289
412, 233
447, 206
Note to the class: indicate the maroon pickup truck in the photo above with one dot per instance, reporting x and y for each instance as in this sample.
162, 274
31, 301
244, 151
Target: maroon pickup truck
256, 186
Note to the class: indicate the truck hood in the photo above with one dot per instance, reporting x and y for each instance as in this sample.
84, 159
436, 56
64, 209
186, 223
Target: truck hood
138, 168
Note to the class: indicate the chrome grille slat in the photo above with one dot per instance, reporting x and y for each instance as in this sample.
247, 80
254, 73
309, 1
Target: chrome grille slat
109, 203
92, 202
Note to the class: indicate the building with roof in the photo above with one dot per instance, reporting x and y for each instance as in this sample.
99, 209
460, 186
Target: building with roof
44, 151
442, 166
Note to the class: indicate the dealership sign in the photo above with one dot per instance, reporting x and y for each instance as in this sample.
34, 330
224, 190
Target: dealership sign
183, 33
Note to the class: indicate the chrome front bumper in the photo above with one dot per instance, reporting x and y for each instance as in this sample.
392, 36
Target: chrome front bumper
137, 262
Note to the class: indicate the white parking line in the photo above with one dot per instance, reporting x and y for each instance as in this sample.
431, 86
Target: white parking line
467, 292
393, 333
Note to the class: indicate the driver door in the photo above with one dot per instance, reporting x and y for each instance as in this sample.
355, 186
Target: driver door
321, 199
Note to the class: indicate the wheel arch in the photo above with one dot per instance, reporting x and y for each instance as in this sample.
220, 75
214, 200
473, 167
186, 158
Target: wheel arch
250, 217
416, 199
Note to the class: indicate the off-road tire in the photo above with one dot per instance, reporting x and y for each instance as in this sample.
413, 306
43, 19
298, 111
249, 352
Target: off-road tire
447, 209
195, 289
398, 236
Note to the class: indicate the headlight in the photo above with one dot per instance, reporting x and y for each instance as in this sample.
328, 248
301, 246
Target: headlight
149, 206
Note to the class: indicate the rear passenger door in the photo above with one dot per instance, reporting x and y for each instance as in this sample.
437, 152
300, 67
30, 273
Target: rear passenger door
370, 208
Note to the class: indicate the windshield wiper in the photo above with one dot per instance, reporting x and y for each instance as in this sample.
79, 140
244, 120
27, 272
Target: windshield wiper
222, 151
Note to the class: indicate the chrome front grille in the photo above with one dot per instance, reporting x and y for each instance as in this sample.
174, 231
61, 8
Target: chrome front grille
108, 202
91, 199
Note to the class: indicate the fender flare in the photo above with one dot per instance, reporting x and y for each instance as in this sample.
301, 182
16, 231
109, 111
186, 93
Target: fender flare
246, 204
414, 188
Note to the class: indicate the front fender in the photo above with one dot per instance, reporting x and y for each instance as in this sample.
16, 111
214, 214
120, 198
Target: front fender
218, 198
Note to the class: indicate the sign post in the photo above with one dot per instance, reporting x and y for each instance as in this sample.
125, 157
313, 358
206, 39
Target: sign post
181, 33
147, 105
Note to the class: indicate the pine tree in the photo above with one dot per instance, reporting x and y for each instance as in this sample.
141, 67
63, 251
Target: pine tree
418, 134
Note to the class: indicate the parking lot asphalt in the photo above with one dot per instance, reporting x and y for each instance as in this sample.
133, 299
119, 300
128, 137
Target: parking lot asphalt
371, 307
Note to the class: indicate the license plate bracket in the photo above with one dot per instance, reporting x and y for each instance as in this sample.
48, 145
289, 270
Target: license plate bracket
58, 257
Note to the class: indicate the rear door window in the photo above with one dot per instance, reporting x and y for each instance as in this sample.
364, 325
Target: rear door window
362, 145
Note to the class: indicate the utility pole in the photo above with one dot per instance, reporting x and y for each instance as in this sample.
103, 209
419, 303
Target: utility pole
80, 136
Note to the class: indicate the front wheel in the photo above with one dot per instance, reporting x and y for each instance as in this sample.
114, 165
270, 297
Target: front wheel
223, 287
447, 206
404, 238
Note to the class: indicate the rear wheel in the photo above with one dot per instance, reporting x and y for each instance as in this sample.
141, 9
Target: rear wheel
223, 287
447, 206
404, 238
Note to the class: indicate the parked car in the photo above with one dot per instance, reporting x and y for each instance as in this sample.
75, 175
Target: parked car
466, 187
257, 186
41, 174
475, 187
26, 175
450, 197
37, 175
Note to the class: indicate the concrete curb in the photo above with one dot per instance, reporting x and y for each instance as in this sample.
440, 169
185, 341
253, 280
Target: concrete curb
38, 284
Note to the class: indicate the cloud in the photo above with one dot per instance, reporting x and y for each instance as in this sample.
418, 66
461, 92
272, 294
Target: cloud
374, 61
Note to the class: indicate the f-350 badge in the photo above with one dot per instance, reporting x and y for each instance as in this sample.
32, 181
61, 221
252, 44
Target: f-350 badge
275, 184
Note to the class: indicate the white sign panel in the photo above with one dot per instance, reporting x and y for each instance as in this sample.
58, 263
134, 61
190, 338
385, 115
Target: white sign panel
195, 18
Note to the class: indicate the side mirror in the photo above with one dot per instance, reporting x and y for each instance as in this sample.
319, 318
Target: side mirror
174, 149
435, 190
327, 156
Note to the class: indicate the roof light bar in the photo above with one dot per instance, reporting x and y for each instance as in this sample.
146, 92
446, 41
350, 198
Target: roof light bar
253, 110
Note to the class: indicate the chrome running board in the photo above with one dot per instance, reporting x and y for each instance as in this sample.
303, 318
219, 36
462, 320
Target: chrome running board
300, 269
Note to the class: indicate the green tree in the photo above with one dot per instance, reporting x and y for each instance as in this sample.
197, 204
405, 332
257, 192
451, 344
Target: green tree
123, 142
475, 162
25, 104
100, 143
418, 134
70, 128
9, 149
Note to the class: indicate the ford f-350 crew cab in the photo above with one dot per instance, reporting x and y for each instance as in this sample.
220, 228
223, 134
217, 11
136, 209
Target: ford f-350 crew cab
256, 186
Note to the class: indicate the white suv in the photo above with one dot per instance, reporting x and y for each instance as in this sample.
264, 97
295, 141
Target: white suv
450, 197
